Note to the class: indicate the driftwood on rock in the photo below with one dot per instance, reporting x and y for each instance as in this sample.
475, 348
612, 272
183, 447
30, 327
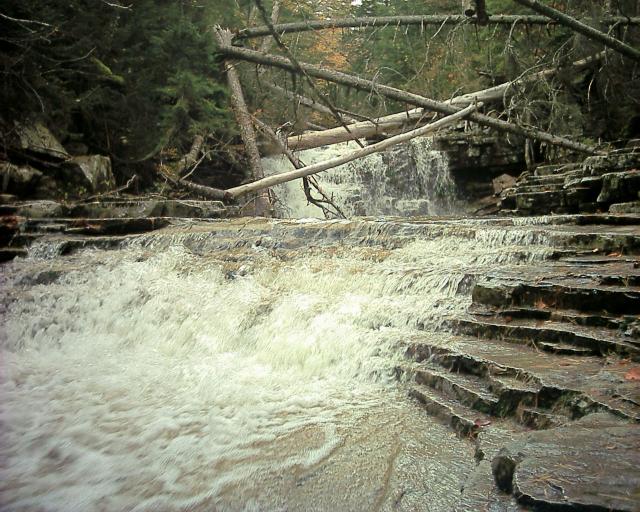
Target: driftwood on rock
277, 179
420, 20
581, 28
403, 96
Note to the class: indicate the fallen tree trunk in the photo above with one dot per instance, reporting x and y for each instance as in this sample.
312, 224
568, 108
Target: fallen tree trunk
359, 130
208, 192
408, 119
421, 20
243, 118
335, 162
191, 158
403, 96
581, 28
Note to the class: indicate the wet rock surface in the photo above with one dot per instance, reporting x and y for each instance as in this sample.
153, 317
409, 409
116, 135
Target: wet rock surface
543, 373
589, 465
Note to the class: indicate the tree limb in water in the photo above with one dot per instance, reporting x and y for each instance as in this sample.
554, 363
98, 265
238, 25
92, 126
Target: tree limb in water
403, 96
581, 28
420, 20
360, 153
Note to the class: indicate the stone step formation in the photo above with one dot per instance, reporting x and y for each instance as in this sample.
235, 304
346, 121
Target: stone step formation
542, 374
601, 183
97, 223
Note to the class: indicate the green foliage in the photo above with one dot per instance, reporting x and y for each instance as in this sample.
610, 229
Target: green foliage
132, 80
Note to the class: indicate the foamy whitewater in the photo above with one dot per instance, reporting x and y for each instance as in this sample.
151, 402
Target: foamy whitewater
413, 179
189, 371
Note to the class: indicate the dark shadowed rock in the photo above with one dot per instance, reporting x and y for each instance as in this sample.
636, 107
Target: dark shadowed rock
18, 179
503, 182
620, 187
91, 172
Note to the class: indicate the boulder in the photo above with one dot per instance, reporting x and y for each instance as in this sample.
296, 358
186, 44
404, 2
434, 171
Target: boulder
40, 209
38, 140
503, 182
91, 172
19, 180
593, 464
620, 187
630, 207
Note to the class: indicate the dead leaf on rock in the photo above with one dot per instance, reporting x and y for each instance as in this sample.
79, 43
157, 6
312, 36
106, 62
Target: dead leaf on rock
633, 374
540, 304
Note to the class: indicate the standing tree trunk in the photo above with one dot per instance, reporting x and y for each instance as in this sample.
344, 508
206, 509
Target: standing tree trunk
248, 134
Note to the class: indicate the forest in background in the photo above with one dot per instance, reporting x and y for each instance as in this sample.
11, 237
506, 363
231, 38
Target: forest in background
138, 81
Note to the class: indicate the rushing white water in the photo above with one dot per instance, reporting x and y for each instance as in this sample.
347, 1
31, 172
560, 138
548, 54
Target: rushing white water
412, 179
207, 369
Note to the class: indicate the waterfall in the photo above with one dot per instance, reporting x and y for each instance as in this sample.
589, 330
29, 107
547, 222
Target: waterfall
239, 365
410, 179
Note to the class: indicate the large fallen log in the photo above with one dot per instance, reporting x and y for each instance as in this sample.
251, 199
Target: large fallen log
581, 28
420, 20
307, 181
402, 96
277, 179
408, 119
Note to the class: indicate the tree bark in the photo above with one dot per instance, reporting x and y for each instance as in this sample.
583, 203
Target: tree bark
410, 98
191, 157
393, 21
208, 192
359, 130
243, 117
360, 153
481, 12
581, 28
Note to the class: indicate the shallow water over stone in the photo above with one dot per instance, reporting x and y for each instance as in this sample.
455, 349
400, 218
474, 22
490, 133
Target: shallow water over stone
242, 365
